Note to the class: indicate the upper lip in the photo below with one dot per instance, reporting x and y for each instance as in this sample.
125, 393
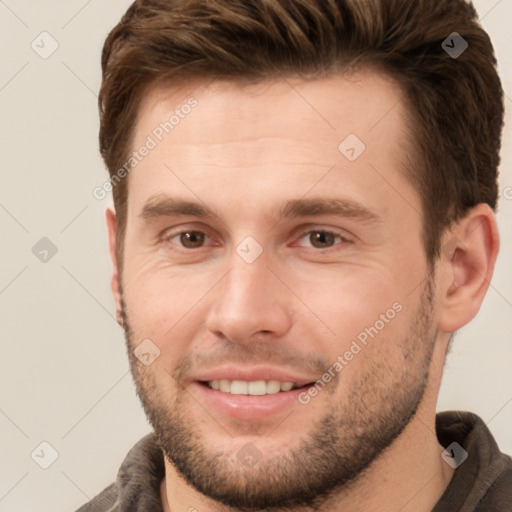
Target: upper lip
253, 374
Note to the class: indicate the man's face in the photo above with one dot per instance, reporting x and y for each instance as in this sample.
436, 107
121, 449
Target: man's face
277, 285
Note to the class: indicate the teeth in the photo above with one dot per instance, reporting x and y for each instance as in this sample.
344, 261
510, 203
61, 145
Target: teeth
238, 387
258, 387
273, 386
286, 386
254, 388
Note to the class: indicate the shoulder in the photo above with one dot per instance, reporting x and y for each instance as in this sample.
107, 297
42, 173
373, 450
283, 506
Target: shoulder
483, 474
105, 501
498, 496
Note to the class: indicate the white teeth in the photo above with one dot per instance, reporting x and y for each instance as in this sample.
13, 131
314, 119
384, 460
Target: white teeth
255, 388
273, 386
258, 387
238, 387
286, 386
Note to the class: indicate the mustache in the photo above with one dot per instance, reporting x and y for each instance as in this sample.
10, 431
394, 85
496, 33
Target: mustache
254, 353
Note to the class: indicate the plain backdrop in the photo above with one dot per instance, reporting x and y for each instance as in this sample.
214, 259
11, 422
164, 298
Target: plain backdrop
65, 377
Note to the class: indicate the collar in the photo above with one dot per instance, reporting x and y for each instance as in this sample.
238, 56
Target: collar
142, 471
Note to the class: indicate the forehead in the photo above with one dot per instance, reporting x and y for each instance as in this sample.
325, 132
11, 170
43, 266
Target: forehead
270, 137
358, 101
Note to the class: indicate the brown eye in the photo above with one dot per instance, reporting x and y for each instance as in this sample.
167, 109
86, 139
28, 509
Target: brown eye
322, 239
192, 239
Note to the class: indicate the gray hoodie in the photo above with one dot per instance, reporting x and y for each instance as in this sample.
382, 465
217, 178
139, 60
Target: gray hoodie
481, 483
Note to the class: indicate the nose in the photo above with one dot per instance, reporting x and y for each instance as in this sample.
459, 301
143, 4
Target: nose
250, 303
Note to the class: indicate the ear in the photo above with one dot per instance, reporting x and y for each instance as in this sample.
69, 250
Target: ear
467, 263
111, 221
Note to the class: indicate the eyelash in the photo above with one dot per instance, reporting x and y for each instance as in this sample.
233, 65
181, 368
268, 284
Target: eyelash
309, 231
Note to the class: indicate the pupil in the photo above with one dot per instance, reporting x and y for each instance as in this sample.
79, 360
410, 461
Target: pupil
192, 239
322, 238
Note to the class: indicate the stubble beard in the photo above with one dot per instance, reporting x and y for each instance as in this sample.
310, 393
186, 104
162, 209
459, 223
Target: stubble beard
330, 456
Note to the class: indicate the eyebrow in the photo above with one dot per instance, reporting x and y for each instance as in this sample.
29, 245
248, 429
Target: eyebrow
166, 206
327, 206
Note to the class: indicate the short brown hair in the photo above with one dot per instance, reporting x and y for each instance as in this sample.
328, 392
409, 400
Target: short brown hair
455, 104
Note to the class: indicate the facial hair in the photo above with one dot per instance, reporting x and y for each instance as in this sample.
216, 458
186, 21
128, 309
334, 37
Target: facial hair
372, 412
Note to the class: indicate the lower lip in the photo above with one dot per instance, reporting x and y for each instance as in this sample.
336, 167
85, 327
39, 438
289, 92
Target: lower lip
247, 407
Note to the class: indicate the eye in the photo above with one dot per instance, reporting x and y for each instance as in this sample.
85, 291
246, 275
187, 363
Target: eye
190, 239
322, 239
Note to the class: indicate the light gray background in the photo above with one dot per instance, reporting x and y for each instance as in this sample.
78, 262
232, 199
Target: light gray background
64, 373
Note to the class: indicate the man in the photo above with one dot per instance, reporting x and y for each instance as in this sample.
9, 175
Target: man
304, 195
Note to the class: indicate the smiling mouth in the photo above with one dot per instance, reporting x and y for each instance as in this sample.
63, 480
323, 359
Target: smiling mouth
252, 388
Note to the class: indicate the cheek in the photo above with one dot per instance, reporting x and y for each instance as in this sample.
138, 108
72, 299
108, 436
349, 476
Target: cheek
367, 312
166, 304
350, 299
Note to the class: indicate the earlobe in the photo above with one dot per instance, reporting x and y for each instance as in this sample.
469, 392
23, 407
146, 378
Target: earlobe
468, 257
111, 221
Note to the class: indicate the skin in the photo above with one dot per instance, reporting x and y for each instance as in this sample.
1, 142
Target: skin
367, 441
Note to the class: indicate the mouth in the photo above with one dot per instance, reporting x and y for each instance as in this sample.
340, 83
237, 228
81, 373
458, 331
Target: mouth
252, 388
249, 400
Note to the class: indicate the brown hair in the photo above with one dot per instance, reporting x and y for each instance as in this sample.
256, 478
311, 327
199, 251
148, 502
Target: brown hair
455, 104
